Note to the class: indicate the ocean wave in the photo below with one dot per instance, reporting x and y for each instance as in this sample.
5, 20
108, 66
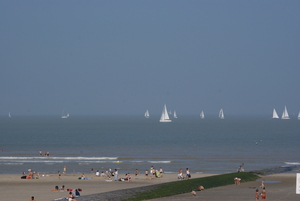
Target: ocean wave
12, 163
167, 172
292, 163
58, 158
159, 161
56, 161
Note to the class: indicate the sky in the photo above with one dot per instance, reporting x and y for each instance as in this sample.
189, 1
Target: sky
124, 57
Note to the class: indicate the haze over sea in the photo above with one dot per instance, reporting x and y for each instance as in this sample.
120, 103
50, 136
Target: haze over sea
209, 145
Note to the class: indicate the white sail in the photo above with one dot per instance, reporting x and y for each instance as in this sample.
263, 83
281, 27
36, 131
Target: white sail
165, 116
202, 115
299, 115
275, 115
221, 114
285, 114
65, 116
9, 115
147, 115
175, 115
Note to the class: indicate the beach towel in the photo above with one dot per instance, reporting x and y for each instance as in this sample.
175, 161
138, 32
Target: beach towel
63, 198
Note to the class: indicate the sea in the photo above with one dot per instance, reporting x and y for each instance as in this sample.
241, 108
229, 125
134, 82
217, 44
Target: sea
127, 143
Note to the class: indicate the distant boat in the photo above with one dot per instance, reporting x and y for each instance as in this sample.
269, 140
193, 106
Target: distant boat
9, 115
202, 115
285, 114
299, 116
275, 115
175, 115
65, 116
164, 115
147, 114
221, 114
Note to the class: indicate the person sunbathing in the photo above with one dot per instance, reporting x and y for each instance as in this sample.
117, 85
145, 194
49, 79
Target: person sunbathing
71, 197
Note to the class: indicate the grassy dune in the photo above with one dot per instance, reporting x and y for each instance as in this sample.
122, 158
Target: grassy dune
185, 186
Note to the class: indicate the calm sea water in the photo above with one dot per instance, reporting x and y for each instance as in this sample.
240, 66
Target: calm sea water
208, 145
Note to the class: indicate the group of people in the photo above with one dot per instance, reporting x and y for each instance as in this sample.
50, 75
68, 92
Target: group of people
154, 173
241, 168
47, 153
72, 193
200, 188
263, 194
180, 174
31, 175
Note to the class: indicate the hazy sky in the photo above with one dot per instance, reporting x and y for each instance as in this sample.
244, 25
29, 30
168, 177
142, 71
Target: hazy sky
123, 57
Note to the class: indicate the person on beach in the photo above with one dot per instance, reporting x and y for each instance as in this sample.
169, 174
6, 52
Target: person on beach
262, 183
239, 181
263, 193
188, 174
40, 153
116, 175
128, 177
235, 180
102, 174
193, 193
157, 174
59, 175
136, 172
256, 195
146, 173
32, 198
180, 176
97, 173
77, 194
65, 169
30, 174
161, 172
71, 197
82, 176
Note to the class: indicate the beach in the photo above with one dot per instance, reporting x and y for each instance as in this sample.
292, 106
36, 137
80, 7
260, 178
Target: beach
17, 189
279, 187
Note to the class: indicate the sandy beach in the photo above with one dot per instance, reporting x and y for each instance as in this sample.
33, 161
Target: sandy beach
16, 189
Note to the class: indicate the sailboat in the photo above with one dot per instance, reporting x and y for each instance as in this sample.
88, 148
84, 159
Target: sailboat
164, 115
221, 114
285, 114
65, 116
175, 115
275, 115
9, 115
299, 116
147, 114
202, 115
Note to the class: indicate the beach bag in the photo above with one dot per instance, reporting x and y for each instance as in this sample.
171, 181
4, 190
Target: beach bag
23, 177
